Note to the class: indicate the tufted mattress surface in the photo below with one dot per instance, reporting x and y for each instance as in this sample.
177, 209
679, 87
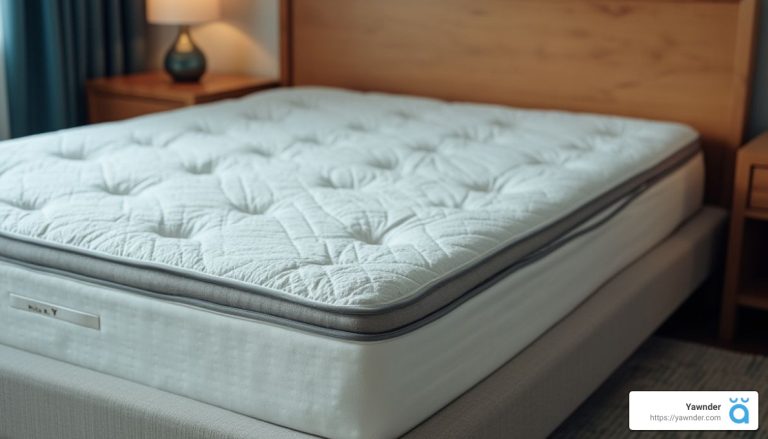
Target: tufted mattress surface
344, 212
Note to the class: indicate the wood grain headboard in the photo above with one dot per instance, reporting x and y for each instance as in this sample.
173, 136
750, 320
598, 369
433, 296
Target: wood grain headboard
681, 60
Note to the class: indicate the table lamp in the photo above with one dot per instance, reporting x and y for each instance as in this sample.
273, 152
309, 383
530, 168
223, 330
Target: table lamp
184, 61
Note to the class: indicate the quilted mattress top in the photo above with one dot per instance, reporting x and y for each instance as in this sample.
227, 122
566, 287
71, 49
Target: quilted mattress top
317, 196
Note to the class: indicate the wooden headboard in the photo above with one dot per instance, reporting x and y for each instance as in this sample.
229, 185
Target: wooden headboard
681, 60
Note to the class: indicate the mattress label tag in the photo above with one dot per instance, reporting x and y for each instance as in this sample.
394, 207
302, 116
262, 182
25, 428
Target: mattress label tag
57, 312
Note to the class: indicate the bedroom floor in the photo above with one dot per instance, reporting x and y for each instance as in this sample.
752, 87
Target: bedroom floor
685, 354
663, 363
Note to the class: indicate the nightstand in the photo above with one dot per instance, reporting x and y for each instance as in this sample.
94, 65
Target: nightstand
120, 97
746, 275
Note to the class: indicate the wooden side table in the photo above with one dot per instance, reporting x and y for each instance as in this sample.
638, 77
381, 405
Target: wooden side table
746, 275
122, 97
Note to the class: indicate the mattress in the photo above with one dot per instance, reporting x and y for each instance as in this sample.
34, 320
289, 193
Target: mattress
375, 211
573, 354
339, 263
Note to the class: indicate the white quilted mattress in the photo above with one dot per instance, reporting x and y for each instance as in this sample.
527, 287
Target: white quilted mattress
328, 386
359, 213
338, 263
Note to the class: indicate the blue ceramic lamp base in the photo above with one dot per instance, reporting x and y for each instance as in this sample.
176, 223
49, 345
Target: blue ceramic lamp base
184, 61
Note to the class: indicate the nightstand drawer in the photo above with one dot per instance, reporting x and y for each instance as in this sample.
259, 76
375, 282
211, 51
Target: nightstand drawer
758, 194
105, 107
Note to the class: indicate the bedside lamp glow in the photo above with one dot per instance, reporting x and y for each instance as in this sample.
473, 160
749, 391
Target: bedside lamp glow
184, 61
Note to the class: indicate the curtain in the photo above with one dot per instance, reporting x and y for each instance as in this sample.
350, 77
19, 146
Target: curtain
5, 130
53, 46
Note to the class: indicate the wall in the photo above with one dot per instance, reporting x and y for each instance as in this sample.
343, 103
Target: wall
246, 39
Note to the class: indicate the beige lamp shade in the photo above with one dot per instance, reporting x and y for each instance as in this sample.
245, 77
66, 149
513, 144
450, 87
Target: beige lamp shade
182, 11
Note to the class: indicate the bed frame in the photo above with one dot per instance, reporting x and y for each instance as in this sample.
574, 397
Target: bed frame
685, 60
681, 60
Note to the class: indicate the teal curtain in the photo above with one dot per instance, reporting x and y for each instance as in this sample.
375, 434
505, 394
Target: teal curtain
53, 46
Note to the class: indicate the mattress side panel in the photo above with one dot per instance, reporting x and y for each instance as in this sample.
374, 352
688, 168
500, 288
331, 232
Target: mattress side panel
265, 371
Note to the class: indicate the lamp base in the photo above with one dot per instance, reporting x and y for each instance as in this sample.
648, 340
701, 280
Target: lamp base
184, 61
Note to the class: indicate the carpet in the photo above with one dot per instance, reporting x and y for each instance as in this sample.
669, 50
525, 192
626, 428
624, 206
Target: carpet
665, 364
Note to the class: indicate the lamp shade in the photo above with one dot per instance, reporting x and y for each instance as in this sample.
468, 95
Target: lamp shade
182, 11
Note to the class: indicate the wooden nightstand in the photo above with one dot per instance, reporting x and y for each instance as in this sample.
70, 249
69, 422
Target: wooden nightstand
746, 275
121, 97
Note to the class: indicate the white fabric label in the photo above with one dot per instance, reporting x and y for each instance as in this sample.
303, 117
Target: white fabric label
56, 312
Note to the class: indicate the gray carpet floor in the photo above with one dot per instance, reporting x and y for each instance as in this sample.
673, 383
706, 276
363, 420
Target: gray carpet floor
665, 364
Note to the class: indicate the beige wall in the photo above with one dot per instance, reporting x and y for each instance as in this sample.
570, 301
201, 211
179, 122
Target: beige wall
245, 40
